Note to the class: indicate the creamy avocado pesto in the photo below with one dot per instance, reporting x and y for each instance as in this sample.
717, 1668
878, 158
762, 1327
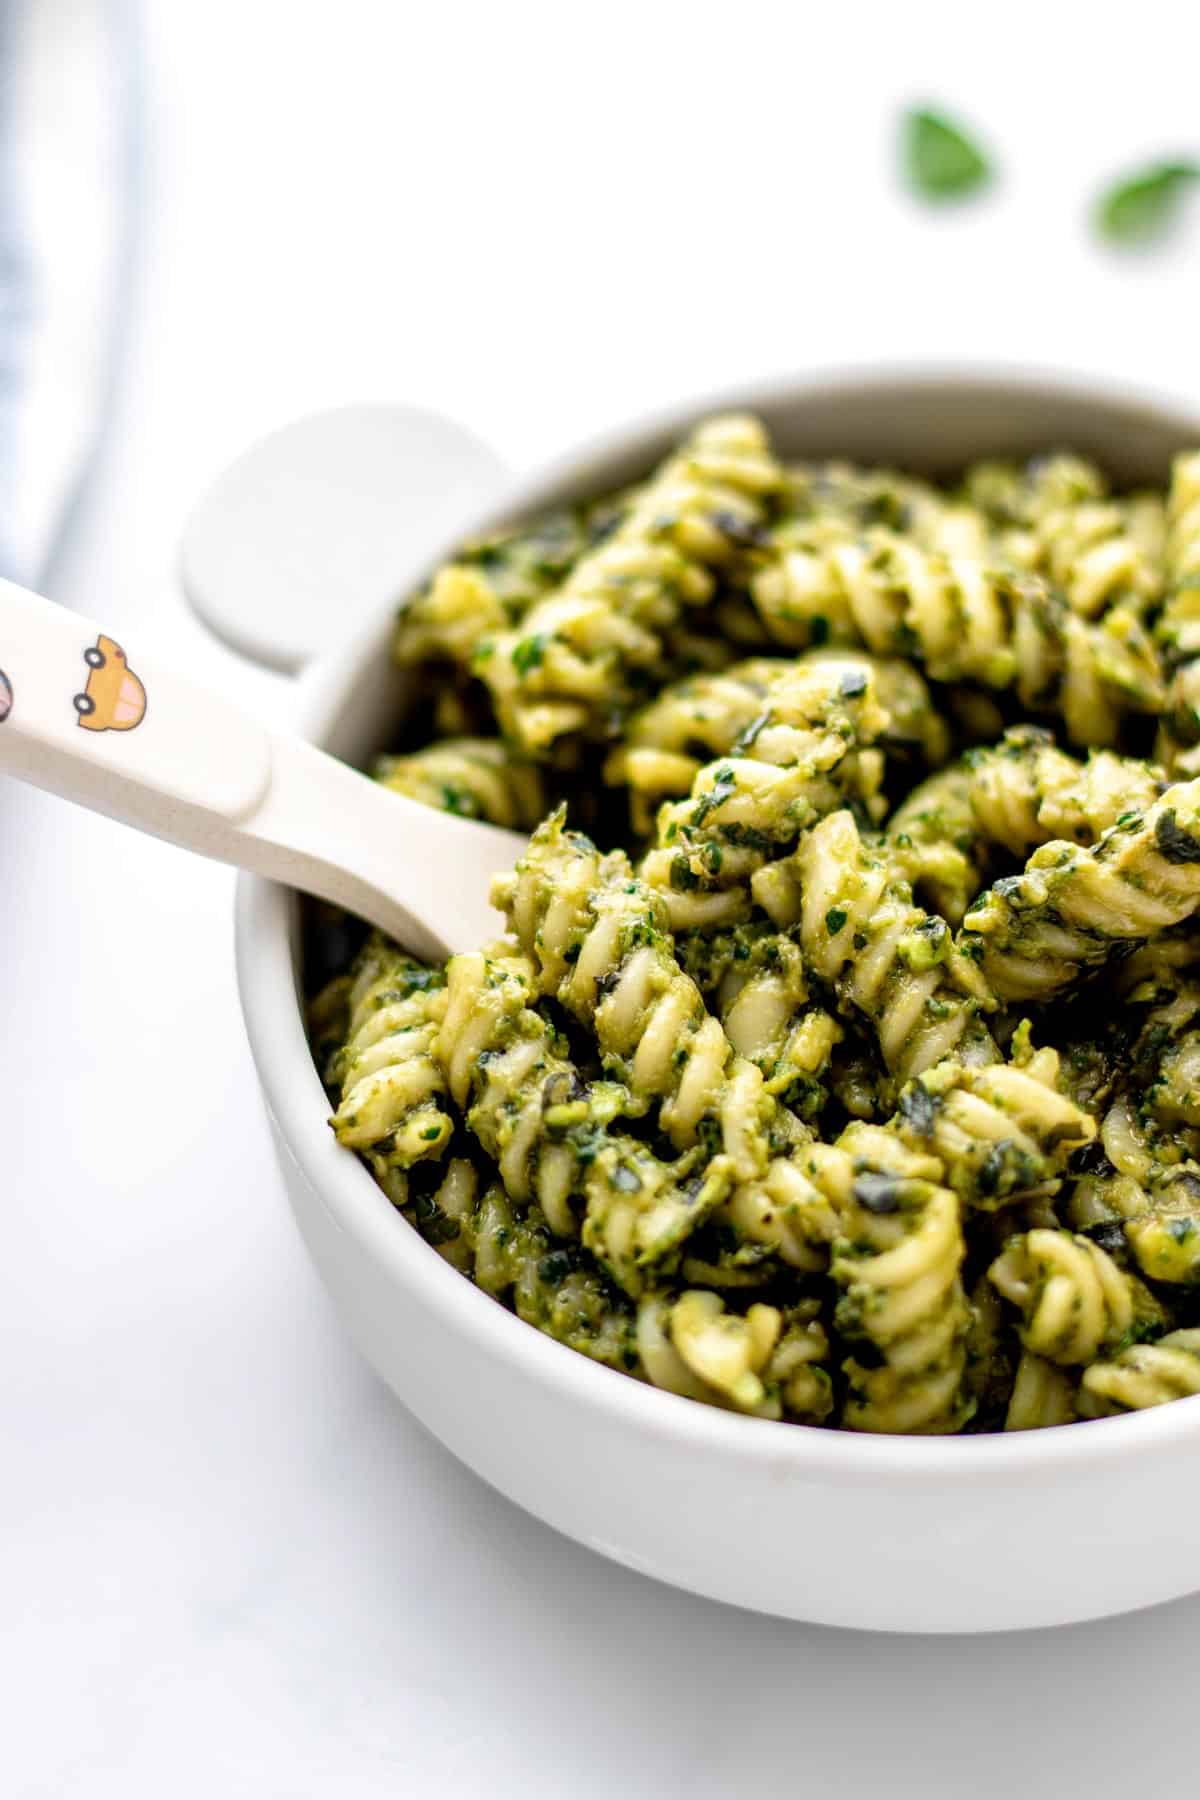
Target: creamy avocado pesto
840, 1060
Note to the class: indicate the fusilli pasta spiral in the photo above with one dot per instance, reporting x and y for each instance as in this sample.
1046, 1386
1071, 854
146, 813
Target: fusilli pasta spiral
598, 939
1073, 1298
1146, 1374
1178, 627
1001, 1130
1043, 1393
762, 1362
493, 583
527, 1104
392, 1104
963, 621
513, 1255
1036, 932
898, 1269
574, 662
883, 957
811, 752
473, 777
766, 1008
936, 845
705, 717
1025, 791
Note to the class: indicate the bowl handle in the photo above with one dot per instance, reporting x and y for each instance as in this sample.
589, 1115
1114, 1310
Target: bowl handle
304, 535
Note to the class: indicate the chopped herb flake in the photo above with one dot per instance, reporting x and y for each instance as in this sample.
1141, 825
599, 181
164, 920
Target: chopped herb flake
529, 653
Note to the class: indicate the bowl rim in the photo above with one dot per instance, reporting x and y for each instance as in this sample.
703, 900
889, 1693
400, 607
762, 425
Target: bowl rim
266, 916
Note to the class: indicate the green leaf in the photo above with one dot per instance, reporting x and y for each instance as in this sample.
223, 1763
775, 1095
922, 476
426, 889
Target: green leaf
940, 161
1143, 207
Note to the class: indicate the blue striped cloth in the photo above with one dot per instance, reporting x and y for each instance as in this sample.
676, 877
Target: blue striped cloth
69, 161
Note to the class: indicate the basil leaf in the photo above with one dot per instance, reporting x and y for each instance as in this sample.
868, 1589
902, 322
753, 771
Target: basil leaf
1143, 207
940, 161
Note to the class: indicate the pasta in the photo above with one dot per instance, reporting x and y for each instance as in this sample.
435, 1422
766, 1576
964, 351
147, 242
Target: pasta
1024, 791
937, 845
965, 619
392, 1092
898, 1267
1074, 1299
1146, 1374
1000, 1130
812, 753
761, 1363
580, 651
474, 777
688, 724
493, 583
766, 1006
599, 944
1042, 1394
1147, 1182
1178, 629
882, 956
1062, 522
543, 1124
839, 1063
1033, 934
704, 717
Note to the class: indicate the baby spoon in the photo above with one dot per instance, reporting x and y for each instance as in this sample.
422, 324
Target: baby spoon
143, 745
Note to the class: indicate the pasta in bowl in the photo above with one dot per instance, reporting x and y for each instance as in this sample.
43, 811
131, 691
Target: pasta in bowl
802, 1158
830, 1065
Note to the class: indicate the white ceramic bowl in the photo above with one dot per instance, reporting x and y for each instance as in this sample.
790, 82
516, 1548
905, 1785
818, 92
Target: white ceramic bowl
902, 1534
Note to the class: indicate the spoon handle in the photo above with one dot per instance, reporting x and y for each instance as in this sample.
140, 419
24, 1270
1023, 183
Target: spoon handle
143, 745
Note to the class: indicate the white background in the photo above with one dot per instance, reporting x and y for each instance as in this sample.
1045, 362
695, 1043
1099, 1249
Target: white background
229, 1562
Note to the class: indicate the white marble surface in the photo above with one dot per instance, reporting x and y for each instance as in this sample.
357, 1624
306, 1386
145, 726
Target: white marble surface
230, 1563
